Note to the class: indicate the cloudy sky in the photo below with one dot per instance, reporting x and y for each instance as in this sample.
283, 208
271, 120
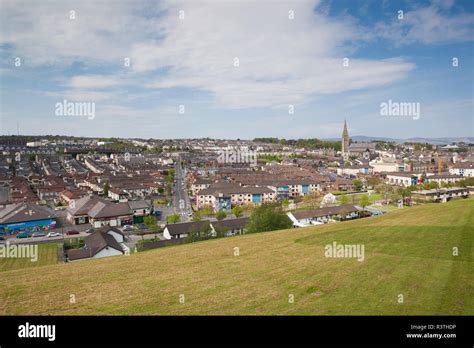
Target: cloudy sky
237, 69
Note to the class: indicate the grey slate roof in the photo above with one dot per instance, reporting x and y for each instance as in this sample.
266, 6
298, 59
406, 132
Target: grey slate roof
230, 224
187, 227
95, 242
327, 211
22, 212
142, 204
97, 207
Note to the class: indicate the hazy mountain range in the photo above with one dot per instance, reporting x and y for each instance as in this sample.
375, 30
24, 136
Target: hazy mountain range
444, 140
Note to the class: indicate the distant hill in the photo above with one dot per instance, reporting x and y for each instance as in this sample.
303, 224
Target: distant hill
437, 141
408, 251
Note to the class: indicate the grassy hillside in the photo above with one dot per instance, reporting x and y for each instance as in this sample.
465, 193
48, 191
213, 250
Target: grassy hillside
407, 252
47, 255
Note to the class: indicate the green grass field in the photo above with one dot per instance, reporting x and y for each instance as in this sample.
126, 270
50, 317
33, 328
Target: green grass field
407, 252
388, 208
47, 255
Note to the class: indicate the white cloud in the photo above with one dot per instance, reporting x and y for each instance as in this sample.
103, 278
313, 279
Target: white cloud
80, 95
429, 25
94, 81
281, 61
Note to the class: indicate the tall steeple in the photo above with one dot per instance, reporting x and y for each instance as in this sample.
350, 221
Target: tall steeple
345, 141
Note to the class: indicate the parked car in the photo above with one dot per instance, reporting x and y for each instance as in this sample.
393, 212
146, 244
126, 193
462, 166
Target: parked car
22, 235
128, 228
53, 234
72, 232
38, 234
90, 230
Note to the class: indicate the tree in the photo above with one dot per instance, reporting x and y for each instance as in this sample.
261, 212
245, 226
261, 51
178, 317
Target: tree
343, 199
199, 233
386, 191
196, 216
354, 199
405, 193
268, 217
364, 201
106, 188
430, 185
237, 211
373, 181
248, 208
173, 218
394, 197
358, 184
446, 184
150, 221
221, 215
171, 173
312, 199
343, 213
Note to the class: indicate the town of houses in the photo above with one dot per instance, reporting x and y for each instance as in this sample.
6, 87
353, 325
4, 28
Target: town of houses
103, 190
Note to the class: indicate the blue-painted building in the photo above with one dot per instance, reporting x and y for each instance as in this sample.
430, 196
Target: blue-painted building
283, 191
257, 198
26, 217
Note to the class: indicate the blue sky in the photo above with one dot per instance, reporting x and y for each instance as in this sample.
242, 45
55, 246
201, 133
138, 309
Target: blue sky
183, 53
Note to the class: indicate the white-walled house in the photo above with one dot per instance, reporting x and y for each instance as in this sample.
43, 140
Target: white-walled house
386, 164
465, 169
98, 212
182, 230
402, 179
104, 242
441, 194
323, 215
140, 208
444, 178
228, 227
354, 170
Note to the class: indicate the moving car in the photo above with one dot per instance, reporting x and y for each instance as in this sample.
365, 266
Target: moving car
72, 232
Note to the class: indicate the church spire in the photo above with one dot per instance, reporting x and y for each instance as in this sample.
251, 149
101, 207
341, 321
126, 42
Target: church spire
345, 133
345, 141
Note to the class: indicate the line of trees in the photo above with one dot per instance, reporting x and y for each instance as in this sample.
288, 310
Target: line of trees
312, 143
